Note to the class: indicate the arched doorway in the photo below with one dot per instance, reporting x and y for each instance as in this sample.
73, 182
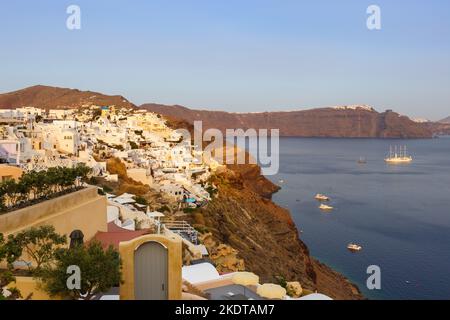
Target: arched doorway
150, 272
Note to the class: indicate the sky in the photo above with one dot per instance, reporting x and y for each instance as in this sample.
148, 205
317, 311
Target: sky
235, 55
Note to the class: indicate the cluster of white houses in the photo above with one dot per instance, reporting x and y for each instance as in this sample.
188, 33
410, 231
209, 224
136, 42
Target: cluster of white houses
155, 155
154, 252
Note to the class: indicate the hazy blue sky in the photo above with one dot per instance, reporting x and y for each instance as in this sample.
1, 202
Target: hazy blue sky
246, 55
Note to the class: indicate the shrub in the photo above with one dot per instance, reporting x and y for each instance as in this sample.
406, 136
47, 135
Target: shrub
164, 209
281, 281
199, 218
116, 166
6, 276
35, 185
212, 191
100, 271
141, 200
38, 243
133, 145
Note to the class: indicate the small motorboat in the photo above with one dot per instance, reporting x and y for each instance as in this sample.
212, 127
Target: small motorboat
280, 181
321, 197
324, 207
354, 247
362, 160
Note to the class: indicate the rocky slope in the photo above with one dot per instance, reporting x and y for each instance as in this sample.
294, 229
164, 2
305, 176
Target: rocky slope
264, 234
446, 120
351, 121
440, 129
46, 97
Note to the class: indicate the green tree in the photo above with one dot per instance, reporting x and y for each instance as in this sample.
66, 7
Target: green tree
36, 185
39, 244
52, 180
11, 190
82, 172
133, 145
2, 247
100, 271
69, 177
141, 200
6, 276
96, 114
3, 205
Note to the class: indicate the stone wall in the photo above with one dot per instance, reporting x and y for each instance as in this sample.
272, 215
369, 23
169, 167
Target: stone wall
83, 210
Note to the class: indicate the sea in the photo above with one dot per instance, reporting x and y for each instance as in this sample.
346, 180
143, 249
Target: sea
399, 214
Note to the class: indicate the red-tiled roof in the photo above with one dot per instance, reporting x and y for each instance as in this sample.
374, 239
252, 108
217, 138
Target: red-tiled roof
116, 234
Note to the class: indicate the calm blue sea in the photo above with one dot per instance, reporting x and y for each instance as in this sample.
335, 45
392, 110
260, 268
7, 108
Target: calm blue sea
399, 214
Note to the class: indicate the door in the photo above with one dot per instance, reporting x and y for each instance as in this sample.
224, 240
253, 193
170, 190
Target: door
150, 272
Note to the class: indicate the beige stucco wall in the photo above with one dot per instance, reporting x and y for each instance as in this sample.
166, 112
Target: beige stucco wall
27, 286
140, 175
83, 210
127, 250
10, 171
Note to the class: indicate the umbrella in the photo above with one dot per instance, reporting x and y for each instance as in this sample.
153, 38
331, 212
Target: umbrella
245, 279
271, 291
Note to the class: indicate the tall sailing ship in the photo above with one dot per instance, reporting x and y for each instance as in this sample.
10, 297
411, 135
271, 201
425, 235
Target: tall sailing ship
398, 155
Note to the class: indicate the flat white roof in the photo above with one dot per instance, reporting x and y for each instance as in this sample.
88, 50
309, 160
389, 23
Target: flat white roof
155, 214
123, 200
198, 273
315, 296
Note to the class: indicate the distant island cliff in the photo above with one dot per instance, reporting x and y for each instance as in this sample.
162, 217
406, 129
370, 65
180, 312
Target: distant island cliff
336, 122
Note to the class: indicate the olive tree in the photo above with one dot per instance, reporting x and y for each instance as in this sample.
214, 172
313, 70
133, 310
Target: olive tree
100, 270
6, 276
38, 243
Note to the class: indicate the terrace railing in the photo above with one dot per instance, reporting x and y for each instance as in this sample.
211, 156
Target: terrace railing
183, 229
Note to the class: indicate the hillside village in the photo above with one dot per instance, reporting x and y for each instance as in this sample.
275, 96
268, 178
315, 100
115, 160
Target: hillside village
149, 176
153, 154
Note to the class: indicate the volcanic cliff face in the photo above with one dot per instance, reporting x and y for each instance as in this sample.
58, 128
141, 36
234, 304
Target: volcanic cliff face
441, 127
58, 98
349, 122
352, 121
264, 234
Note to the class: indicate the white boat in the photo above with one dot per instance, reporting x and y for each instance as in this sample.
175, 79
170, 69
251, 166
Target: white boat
354, 247
321, 197
362, 160
324, 207
397, 156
